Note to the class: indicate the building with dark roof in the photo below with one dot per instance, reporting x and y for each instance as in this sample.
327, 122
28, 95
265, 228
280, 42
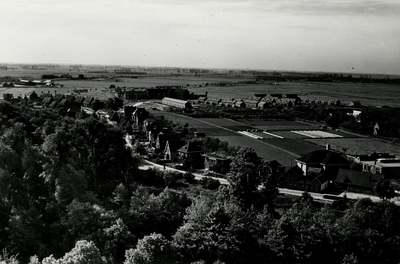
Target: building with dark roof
323, 159
355, 181
217, 163
295, 179
191, 151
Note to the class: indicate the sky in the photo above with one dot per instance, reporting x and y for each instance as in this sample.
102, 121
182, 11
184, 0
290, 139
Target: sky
291, 35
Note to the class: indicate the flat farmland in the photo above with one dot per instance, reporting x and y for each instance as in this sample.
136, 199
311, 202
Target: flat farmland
263, 149
298, 147
357, 145
273, 125
201, 126
367, 94
150, 81
226, 123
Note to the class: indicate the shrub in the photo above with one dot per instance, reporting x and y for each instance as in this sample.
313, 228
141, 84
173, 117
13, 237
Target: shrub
189, 177
210, 183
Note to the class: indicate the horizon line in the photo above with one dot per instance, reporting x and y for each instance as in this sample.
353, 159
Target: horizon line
208, 68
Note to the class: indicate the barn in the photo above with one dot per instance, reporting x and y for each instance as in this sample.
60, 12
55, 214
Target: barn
176, 103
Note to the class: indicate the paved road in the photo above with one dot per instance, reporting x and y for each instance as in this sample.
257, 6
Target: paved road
147, 164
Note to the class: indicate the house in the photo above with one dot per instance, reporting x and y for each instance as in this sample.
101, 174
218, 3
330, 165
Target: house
33, 96
389, 167
47, 101
226, 103
163, 137
171, 148
213, 101
239, 104
319, 183
70, 98
202, 99
88, 101
139, 115
325, 160
295, 179
79, 99
251, 103
58, 97
263, 105
151, 128
355, 181
192, 152
217, 163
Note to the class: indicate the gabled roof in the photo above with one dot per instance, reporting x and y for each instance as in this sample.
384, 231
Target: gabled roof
58, 97
79, 99
64, 102
296, 170
357, 179
321, 179
174, 145
190, 147
324, 157
47, 100
70, 98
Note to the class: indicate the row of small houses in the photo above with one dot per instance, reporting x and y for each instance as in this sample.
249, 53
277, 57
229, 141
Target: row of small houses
259, 102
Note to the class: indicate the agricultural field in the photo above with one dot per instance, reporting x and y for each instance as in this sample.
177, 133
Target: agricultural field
274, 125
201, 126
263, 149
367, 94
357, 145
316, 134
226, 123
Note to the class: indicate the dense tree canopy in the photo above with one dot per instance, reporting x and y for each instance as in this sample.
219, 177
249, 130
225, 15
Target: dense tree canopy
71, 192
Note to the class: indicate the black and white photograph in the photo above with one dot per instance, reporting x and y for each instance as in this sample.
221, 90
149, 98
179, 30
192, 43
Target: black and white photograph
200, 132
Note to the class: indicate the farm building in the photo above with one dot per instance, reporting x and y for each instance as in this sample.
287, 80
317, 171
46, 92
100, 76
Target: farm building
176, 103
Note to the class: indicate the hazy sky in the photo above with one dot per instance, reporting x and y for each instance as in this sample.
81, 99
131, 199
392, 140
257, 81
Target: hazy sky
302, 35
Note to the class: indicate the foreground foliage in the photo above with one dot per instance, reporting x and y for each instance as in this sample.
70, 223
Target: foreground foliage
71, 192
